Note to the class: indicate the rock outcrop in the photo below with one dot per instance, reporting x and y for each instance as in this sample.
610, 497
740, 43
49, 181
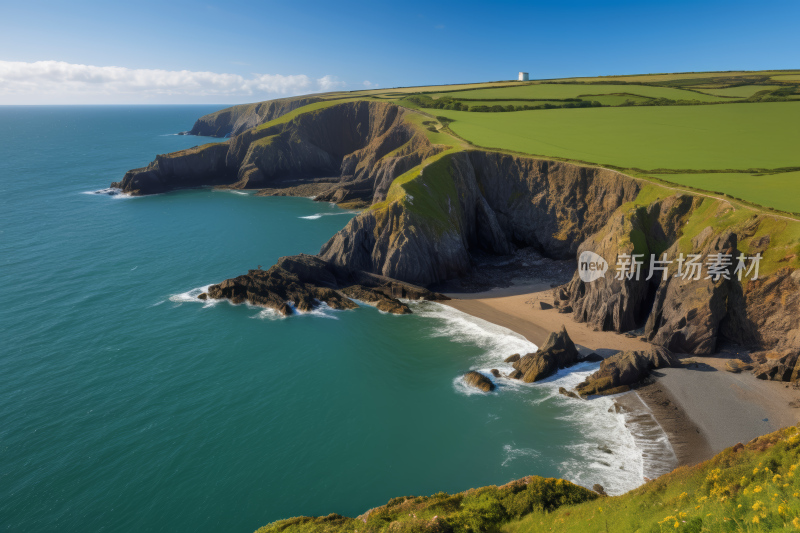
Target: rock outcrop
617, 373
307, 281
479, 200
479, 381
234, 120
558, 352
365, 145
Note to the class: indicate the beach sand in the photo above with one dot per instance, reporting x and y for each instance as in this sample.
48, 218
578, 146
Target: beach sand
702, 408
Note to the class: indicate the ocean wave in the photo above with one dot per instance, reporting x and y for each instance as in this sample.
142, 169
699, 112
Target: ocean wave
617, 450
233, 191
191, 296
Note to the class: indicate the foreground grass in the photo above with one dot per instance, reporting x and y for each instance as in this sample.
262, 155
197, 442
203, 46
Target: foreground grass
754, 489
739, 136
742, 489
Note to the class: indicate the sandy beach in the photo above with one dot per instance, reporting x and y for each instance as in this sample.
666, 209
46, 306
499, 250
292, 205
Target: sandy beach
702, 408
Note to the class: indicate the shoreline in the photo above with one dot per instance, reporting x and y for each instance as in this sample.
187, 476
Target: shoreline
701, 408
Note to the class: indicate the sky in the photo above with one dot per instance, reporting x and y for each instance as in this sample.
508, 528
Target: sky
182, 52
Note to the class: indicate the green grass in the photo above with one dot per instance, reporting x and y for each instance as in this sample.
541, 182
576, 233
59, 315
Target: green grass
288, 117
574, 91
787, 77
743, 91
737, 136
614, 99
756, 489
781, 191
417, 120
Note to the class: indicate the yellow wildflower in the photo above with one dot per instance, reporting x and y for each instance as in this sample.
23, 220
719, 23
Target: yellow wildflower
755, 471
775, 478
677, 525
756, 520
682, 496
796, 522
757, 489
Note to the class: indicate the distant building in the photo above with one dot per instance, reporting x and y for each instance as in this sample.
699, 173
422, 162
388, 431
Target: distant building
523, 76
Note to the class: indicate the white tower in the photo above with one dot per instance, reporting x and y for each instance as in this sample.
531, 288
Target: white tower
523, 76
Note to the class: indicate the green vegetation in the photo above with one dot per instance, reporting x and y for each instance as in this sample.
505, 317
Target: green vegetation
739, 136
781, 191
563, 90
288, 117
741, 91
743, 489
754, 489
474, 511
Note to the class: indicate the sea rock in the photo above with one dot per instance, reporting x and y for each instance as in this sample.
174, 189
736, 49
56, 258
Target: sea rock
543, 305
558, 352
564, 309
202, 296
495, 372
592, 358
512, 358
514, 374
378, 299
275, 287
617, 373
479, 381
598, 488
568, 393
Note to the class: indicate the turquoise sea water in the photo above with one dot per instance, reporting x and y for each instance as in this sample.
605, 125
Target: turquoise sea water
128, 405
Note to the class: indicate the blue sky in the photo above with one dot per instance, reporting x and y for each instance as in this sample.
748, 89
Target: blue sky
259, 50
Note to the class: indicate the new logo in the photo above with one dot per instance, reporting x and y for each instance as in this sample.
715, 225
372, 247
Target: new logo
591, 266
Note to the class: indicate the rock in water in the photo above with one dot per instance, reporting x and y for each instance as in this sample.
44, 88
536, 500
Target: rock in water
378, 299
592, 358
558, 352
598, 488
620, 371
512, 358
479, 381
495, 372
568, 393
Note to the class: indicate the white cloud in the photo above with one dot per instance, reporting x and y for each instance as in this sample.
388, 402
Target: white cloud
60, 82
368, 84
329, 83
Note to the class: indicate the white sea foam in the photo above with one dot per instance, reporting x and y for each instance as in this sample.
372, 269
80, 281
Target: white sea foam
603, 430
113, 192
315, 216
232, 191
191, 296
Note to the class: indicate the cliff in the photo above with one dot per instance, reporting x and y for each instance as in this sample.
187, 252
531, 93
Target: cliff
364, 145
432, 206
234, 120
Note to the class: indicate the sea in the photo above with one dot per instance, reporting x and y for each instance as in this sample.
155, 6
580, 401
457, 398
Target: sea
128, 405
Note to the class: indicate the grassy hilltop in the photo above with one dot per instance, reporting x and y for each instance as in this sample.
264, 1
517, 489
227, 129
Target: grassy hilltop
730, 133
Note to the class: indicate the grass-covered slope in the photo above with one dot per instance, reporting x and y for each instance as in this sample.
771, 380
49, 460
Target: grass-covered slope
755, 487
721, 137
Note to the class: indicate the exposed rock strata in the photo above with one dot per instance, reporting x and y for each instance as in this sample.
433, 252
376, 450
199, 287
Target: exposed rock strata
234, 120
617, 373
364, 145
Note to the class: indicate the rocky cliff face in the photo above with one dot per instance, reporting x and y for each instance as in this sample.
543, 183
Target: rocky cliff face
234, 120
430, 209
479, 200
365, 145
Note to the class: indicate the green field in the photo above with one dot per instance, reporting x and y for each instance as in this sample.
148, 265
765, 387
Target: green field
781, 191
736, 136
574, 91
787, 77
743, 91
